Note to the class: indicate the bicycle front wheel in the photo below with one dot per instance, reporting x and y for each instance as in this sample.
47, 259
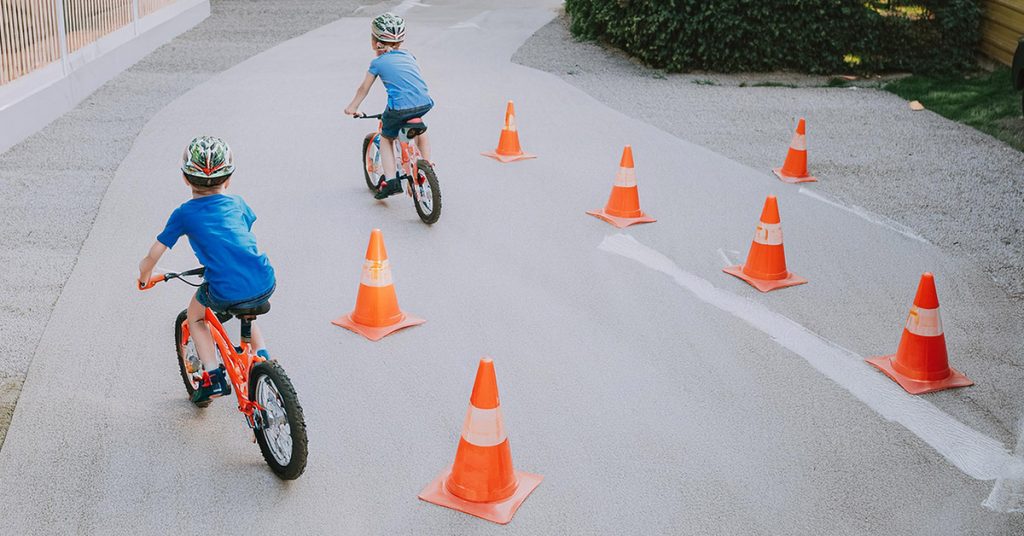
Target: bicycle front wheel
282, 431
426, 192
189, 365
371, 162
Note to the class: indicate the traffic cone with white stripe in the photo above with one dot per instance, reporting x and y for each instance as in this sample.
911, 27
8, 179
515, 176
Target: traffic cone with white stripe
920, 364
794, 169
623, 208
765, 268
482, 481
376, 314
508, 144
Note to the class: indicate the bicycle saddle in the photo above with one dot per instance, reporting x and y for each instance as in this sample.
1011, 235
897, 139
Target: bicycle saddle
414, 127
255, 311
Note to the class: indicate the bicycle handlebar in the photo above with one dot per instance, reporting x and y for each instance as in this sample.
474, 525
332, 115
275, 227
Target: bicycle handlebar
160, 278
361, 115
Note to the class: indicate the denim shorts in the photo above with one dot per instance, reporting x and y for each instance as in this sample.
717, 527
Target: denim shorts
204, 297
392, 120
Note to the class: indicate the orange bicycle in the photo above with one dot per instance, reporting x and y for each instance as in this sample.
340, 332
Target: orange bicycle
423, 186
265, 394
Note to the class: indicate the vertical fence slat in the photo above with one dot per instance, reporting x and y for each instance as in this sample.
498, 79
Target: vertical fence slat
4, 32
22, 31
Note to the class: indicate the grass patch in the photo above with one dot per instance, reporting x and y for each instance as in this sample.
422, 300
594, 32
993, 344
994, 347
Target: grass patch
985, 101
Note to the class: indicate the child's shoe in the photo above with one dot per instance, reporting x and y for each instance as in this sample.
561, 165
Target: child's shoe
389, 187
213, 385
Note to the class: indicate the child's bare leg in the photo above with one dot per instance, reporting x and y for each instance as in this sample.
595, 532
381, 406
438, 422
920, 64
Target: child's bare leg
200, 334
257, 338
423, 143
387, 157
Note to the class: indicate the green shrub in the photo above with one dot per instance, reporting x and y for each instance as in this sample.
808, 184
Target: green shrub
817, 36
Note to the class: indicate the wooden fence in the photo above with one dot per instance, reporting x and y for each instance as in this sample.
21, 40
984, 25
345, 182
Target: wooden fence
1002, 24
36, 33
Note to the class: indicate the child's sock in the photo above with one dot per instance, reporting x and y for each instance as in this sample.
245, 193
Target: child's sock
262, 352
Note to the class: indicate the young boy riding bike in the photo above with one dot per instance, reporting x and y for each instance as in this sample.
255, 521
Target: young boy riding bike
219, 229
407, 95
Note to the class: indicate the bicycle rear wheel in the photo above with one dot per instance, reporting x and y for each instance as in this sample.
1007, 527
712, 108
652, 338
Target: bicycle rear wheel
282, 431
426, 192
371, 162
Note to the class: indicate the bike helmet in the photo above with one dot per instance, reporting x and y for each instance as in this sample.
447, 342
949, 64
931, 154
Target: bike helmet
388, 28
207, 161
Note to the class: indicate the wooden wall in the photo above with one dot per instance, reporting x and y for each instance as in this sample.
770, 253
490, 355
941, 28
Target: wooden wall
1002, 24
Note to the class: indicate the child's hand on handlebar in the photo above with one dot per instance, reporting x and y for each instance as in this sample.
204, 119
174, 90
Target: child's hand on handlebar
354, 112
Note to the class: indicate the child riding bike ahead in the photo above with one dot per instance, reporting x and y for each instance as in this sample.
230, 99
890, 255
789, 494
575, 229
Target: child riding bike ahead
219, 229
407, 94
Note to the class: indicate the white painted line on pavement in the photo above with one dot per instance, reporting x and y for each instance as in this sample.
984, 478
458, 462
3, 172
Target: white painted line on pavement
728, 261
400, 9
974, 453
1008, 493
867, 215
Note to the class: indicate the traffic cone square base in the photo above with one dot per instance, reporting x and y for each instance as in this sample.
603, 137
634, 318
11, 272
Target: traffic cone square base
504, 158
376, 333
499, 512
917, 387
621, 222
765, 285
792, 180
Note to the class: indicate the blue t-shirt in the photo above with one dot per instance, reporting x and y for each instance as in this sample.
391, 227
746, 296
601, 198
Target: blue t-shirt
219, 229
400, 74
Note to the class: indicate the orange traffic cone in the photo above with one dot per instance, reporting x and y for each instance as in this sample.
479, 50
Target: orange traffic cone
508, 144
376, 314
794, 169
623, 208
482, 481
765, 268
920, 364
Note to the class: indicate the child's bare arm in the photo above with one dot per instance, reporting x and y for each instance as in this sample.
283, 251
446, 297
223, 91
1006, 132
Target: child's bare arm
364, 89
149, 261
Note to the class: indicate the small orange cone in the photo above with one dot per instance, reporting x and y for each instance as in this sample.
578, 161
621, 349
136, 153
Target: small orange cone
508, 144
482, 481
920, 364
376, 314
765, 268
794, 169
623, 208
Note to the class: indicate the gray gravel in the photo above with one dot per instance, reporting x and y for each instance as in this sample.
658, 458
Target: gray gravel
960, 189
53, 181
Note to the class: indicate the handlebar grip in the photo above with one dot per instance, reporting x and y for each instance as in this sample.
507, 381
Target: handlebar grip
156, 278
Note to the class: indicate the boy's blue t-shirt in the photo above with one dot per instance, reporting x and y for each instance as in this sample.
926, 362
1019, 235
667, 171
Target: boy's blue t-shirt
400, 74
219, 229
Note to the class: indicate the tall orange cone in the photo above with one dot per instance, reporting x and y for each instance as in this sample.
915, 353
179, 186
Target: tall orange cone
623, 208
920, 364
482, 481
794, 169
508, 144
376, 314
765, 268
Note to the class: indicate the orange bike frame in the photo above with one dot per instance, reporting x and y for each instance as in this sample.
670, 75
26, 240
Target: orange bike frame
408, 164
237, 363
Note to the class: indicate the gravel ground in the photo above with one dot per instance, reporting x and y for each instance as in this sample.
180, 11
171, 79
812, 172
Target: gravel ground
958, 188
53, 181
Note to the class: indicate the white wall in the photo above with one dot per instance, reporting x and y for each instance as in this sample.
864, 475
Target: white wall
31, 102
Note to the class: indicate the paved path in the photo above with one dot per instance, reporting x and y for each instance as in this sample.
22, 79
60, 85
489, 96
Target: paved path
651, 404
54, 181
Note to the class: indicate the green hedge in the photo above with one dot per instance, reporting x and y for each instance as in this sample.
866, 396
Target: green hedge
818, 36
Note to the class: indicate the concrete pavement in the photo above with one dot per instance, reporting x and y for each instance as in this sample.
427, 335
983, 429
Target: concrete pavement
647, 411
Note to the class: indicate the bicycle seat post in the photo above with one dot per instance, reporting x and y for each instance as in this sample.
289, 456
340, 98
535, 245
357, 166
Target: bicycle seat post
246, 328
